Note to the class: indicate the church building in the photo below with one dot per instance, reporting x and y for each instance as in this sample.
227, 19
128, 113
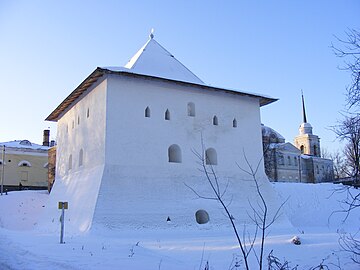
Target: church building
301, 162
127, 145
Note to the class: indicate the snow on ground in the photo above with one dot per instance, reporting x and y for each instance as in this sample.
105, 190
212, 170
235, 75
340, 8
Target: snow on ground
20, 211
318, 205
308, 208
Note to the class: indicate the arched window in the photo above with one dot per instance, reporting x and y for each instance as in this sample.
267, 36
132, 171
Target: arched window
317, 169
88, 113
25, 142
302, 149
70, 162
210, 156
78, 120
81, 157
234, 123
174, 153
73, 124
215, 121
315, 150
191, 109
147, 112
295, 161
167, 115
289, 161
24, 163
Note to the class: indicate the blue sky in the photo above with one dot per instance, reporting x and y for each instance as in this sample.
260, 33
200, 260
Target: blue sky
277, 48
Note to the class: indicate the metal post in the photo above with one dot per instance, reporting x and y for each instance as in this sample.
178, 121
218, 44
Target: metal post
3, 170
62, 224
300, 168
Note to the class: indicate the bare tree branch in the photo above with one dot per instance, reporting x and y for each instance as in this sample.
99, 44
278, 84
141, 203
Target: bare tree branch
349, 244
348, 130
350, 51
259, 216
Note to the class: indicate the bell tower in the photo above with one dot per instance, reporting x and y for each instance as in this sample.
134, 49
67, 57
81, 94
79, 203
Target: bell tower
306, 141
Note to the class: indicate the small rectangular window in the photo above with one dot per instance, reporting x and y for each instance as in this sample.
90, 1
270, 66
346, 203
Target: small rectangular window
191, 109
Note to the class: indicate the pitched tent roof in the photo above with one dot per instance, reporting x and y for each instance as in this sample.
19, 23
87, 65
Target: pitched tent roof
154, 62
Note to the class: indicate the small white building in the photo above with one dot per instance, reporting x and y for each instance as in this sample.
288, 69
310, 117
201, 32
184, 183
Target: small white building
126, 141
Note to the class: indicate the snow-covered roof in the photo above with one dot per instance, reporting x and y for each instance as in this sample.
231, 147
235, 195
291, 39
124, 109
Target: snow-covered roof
269, 132
274, 145
132, 71
155, 62
304, 156
24, 144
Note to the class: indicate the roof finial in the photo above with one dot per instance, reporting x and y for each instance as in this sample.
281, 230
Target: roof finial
151, 33
303, 107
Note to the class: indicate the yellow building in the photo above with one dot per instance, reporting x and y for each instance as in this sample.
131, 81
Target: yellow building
23, 164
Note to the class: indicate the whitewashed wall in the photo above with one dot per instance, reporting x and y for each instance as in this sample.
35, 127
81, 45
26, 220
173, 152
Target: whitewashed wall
126, 180
79, 185
140, 188
134, 140
88, 134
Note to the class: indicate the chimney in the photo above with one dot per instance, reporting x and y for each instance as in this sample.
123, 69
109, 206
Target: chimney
46, 137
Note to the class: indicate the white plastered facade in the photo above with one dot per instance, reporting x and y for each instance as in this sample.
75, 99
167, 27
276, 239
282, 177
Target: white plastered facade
126, 179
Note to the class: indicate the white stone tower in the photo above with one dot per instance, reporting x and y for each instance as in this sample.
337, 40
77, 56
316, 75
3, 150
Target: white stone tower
306, 141
126, 142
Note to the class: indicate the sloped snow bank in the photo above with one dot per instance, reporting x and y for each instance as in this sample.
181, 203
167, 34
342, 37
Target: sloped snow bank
318, 205
308, 208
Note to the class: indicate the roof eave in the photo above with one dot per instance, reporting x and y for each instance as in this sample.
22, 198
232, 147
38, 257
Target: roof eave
92, 78
263, 100
99, 72
266, 101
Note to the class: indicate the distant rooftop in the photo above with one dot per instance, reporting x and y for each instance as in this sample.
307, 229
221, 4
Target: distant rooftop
271, 133
25, 144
